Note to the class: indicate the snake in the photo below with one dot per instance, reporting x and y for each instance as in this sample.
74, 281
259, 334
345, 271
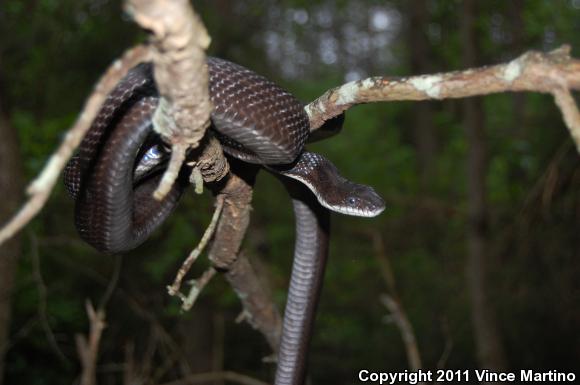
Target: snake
121, 160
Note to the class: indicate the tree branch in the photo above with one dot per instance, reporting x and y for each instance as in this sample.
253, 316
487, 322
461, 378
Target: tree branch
178, 41
555, 73
177, 50
393, 303
405, 328
88, 349
259, 309
174, 288
225, 255
41, 187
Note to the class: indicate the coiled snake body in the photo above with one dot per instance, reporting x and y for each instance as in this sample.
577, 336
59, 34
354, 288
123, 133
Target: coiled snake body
120, 161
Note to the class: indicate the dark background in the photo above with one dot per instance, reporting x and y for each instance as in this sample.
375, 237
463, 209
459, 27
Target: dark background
519, 213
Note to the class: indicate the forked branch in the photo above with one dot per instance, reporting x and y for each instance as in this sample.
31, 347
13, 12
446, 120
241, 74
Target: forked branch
178, 43
88, 348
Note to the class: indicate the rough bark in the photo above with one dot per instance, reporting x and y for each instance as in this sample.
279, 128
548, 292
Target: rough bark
259, 309
555, 73
11, 186
489, 347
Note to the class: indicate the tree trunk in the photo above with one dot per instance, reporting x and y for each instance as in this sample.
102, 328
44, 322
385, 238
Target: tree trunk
488, 343
419, 54
11, 188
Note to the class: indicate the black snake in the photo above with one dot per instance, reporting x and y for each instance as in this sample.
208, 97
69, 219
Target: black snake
120, 161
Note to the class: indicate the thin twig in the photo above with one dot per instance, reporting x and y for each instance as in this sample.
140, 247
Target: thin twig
565, 101
540, 190
113, 281
43, 301
178, 52
133, 303
384, 262
41, 187
393, 303
448, 347
196, 288
178, 151
406, 329
186, 266
88, 349
22, 332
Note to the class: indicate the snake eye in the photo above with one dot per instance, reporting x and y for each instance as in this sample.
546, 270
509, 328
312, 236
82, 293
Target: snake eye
351, 200
152, 154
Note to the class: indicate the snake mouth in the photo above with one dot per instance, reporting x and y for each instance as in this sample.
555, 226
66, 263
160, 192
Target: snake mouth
356, 200
370, 212
365, 211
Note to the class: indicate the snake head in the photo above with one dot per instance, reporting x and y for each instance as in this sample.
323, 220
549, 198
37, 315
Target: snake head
361, 201
332, 190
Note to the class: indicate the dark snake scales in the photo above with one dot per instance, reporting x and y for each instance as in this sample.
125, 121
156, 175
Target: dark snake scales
257, 122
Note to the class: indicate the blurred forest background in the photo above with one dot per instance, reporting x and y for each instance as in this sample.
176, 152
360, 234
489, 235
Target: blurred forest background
479, 243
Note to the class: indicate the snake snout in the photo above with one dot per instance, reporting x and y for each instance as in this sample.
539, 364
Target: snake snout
363, 201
